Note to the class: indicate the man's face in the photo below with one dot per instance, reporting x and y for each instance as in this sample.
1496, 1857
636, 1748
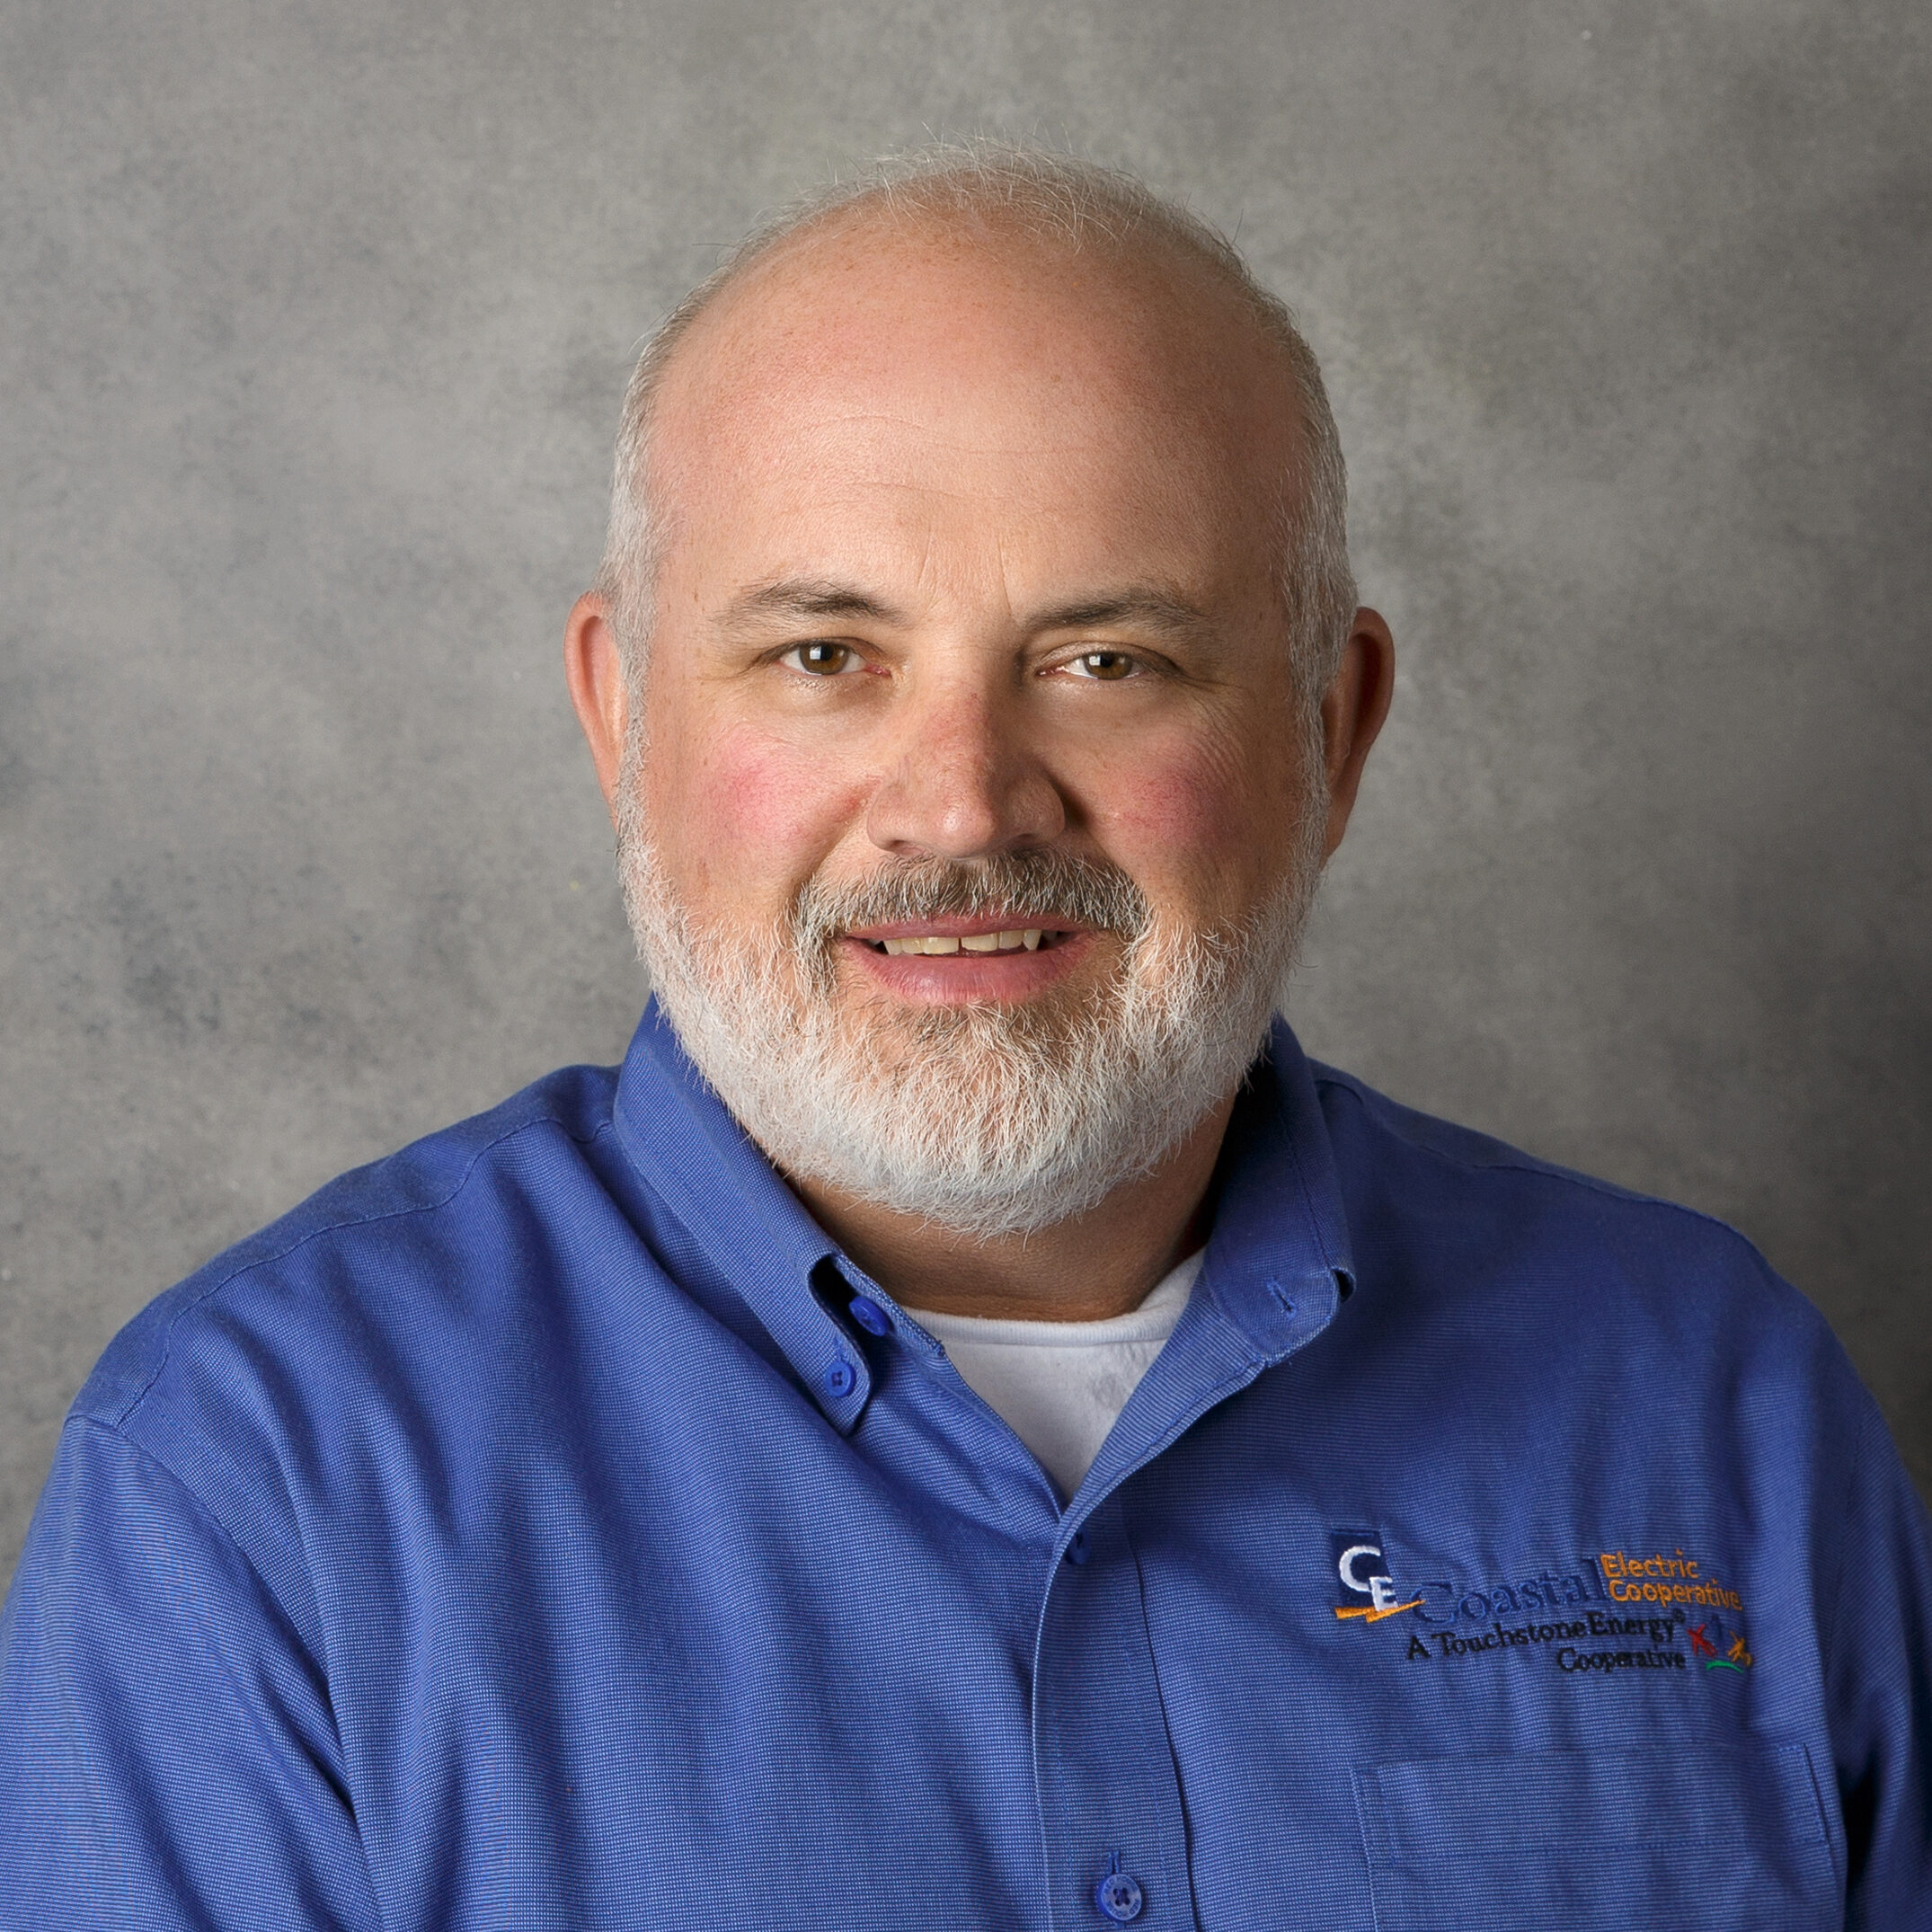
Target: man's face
969, 706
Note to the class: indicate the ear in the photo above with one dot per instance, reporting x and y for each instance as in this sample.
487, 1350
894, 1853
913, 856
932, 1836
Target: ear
1354, 707
593, 666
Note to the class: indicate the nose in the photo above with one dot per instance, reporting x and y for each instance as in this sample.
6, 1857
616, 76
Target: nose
963, 784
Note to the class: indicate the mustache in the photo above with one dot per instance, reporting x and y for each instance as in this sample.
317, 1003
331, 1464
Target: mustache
1027, 888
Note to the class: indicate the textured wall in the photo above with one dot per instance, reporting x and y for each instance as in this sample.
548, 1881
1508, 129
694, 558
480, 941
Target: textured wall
312, 324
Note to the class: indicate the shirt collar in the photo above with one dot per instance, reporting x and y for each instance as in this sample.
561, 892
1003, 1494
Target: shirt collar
1277, 1264
1280, 1234
688, 1147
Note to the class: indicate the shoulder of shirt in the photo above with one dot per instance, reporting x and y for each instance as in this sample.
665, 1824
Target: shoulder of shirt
1575, 1207
422, 1179
1612, 1277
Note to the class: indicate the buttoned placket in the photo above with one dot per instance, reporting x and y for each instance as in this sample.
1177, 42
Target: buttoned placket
1113, 1815
1274, 1278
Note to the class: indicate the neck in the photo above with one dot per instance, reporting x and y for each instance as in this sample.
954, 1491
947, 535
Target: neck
1098, 1265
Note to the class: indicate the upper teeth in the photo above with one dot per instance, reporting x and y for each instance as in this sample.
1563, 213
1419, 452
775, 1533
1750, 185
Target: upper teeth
972, 942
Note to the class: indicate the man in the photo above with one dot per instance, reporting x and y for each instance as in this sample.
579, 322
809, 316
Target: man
968, 1427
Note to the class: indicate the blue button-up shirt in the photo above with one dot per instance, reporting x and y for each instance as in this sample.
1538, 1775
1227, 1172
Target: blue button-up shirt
523, 1534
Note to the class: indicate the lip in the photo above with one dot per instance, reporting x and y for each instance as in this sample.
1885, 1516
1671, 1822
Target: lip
965, 979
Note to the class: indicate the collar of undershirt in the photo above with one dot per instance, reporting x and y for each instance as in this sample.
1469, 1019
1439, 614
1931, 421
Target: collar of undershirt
1152, 1321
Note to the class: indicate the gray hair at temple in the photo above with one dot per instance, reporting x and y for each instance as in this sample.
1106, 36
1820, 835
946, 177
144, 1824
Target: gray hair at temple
1082, 205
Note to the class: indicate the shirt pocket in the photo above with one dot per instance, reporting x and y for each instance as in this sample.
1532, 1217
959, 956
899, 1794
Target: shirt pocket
1691, 1837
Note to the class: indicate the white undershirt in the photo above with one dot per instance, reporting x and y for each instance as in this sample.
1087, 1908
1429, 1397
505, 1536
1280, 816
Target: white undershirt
1062, 1386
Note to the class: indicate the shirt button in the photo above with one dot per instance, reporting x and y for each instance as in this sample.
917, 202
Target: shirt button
1119, 1897
1076, 1546
870, 1315
841, 1378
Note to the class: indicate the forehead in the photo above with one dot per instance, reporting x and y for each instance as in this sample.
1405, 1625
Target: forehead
963, 386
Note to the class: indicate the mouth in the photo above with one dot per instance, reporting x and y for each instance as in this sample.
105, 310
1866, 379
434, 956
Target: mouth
941, 938
1024, 939
947, 961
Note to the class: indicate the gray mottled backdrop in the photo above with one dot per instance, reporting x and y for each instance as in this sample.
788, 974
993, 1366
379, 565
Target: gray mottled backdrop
313, 322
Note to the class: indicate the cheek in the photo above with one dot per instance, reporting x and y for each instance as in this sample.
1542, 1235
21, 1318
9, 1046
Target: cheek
1211, 823
1180, 801
741, 816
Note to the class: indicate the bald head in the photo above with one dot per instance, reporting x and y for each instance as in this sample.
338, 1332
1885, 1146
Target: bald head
969, 295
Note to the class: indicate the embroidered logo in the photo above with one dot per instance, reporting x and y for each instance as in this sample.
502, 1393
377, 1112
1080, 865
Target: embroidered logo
1661, 1579
1718, 1647
1598, 1616
1692, 1594
1358, 1564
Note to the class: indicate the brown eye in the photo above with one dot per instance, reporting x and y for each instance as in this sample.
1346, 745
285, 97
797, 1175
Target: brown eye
1109, 665
822, 659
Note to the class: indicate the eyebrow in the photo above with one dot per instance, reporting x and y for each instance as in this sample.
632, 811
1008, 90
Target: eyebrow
802, 596
809, 597
1158, 610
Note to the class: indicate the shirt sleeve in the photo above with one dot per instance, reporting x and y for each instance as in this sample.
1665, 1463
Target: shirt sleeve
168, 1758
1879, 1681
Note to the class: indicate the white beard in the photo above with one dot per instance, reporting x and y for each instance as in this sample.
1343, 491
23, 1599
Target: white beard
988, 1120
